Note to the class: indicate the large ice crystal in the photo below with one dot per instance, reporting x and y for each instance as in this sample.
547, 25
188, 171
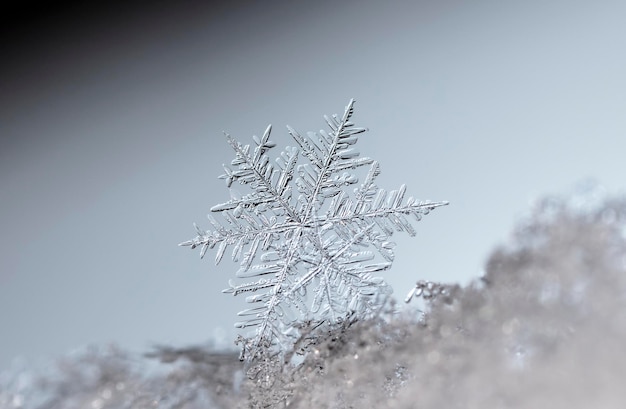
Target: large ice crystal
308, 247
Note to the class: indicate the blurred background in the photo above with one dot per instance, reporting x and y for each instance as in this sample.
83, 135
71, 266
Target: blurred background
111, 120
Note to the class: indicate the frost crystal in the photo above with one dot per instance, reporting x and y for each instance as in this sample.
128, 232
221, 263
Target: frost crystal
307, 248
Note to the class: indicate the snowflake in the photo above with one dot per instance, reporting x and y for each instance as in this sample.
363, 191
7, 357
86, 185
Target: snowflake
307, 249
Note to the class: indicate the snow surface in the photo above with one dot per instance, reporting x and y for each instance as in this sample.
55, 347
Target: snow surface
544, 327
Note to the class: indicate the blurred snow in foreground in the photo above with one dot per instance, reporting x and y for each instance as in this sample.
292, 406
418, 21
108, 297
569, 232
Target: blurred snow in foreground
544, 327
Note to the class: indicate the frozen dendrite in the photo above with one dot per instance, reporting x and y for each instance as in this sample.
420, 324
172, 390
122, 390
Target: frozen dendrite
308, 246
430, 291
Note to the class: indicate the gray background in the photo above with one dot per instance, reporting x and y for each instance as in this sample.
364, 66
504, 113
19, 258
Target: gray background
111, 141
